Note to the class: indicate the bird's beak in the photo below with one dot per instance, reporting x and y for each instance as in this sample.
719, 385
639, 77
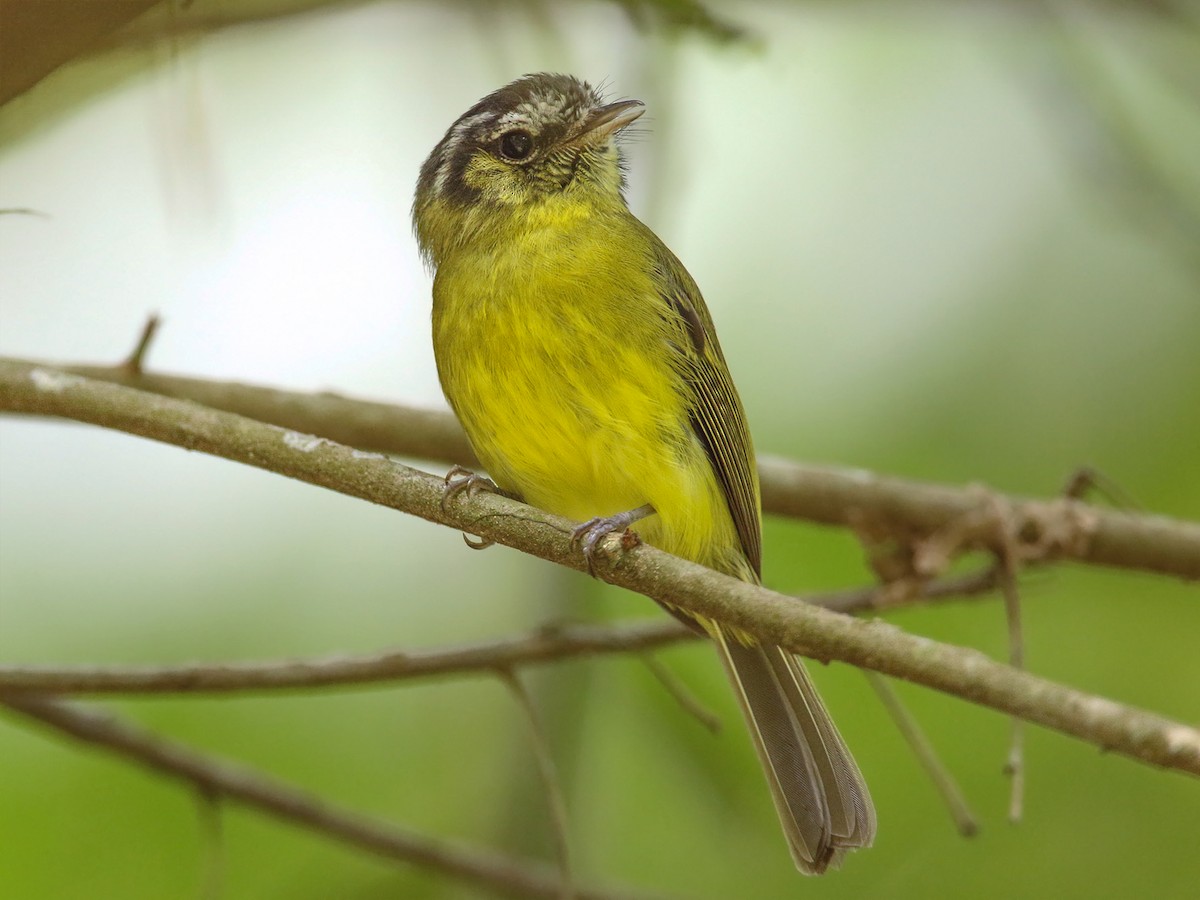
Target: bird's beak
608, 120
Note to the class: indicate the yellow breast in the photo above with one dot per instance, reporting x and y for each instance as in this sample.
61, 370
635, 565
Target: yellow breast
556, 357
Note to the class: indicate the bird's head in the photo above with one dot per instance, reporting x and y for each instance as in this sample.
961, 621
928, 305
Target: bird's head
542, 141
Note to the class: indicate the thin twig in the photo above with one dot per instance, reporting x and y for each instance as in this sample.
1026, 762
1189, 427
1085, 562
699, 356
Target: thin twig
1015, 766
943, 780
878, 598
137, 358
544, 645
767, 615
541, 646
551, 784
1087, 479
223, 779
678, 692
208, 808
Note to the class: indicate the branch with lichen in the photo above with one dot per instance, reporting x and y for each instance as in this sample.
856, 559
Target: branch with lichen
772, 617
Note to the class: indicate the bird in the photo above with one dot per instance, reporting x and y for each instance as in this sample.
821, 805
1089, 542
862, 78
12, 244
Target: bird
583, 364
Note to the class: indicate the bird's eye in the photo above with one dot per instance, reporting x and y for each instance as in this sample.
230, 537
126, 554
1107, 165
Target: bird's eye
516, 145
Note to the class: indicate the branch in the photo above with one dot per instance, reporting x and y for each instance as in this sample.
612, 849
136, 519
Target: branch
1045, 530
222, 779
943, 781
542, 646
548, 773
382, 427
548, 644
766, 614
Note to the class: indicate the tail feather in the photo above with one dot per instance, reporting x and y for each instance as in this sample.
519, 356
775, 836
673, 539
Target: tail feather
819, 793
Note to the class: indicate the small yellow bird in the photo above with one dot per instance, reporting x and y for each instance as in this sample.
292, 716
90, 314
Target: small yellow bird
583, 364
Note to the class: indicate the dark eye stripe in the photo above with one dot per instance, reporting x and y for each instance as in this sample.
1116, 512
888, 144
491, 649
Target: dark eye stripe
544, 106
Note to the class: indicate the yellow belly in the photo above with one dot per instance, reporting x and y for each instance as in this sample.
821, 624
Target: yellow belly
563, 380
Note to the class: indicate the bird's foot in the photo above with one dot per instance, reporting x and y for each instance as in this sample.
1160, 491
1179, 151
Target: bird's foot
459, 480
587, 535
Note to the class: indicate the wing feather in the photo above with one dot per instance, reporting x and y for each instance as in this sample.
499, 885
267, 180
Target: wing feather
715, 410
819, 793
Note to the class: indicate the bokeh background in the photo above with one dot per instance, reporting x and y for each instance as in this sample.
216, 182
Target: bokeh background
947, 241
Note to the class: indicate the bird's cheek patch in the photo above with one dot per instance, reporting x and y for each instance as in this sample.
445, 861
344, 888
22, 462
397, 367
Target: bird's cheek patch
495, 180
482, 172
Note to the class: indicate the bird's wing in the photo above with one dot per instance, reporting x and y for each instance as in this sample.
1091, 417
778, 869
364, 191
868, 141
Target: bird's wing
714, 407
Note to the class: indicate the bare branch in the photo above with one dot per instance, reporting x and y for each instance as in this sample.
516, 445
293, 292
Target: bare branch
678, 692
1009, 567
223, 779
556, 801
943, 780
368, 425
544, 645
769, 616
1062, 528
212, 884
547, 644
897, 594
1046, 530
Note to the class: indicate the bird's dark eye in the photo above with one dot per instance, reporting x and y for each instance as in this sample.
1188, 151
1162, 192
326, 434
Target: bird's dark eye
516, 145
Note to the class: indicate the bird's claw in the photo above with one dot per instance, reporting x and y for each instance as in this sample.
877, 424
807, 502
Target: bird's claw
460, 479
587, 536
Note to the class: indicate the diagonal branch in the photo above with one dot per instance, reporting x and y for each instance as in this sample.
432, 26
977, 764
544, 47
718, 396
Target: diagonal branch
941, 777
223, 779
1046, 530
551, 784
769, 616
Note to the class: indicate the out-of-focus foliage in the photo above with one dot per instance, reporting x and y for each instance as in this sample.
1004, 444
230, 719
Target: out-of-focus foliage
949, 244
36, 38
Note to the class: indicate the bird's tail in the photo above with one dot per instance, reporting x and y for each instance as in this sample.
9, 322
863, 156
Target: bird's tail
818, 791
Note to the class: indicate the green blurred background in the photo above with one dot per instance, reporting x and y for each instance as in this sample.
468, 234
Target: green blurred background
959, 245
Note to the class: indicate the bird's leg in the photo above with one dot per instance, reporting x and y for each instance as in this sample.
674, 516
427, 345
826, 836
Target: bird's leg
460, 479
587, 536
